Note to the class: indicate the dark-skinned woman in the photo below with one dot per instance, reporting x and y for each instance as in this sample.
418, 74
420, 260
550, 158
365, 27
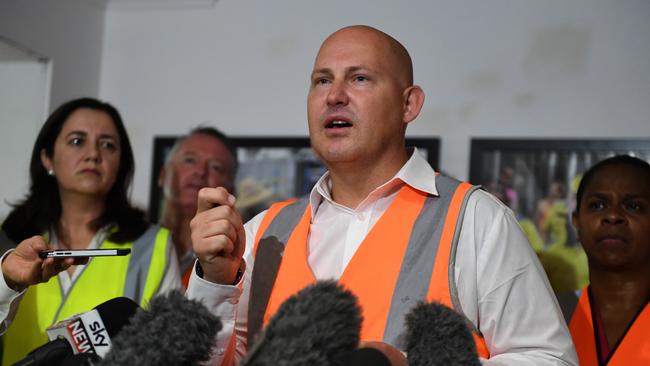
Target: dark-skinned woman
611, 322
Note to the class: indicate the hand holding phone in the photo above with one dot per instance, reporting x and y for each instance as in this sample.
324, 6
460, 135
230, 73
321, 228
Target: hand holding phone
32, 262
67, 253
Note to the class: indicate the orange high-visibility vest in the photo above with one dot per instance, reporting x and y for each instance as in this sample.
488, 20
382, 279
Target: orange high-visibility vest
407, 257
632, 349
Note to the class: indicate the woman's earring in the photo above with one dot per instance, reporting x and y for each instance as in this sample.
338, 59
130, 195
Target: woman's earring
50, 172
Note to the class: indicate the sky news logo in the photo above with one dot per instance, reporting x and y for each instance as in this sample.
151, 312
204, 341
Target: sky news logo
86, 340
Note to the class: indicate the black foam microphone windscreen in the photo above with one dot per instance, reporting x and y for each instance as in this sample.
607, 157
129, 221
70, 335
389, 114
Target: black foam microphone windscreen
437, 335
173, 330
318, 326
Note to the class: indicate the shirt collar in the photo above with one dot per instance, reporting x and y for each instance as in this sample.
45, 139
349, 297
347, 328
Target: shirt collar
416, 172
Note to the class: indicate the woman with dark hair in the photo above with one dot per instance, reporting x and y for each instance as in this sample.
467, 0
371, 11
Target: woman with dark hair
610, 323
81, 170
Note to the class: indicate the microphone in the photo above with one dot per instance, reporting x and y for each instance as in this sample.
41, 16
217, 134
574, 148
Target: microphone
173, 330
437, 335
49, 353
88, 332
318, 326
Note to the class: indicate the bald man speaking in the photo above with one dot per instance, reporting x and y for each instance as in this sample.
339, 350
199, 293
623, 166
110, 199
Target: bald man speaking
381, 222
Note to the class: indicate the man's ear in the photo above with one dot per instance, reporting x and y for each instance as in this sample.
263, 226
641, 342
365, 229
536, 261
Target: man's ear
46, 161
413, 102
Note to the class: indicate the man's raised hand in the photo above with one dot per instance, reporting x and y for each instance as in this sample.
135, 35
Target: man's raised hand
218, 237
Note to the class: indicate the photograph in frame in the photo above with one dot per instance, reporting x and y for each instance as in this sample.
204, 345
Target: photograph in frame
538, 180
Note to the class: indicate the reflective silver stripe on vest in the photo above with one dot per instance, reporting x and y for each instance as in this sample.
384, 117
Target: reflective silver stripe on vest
417, 266
452, 261
139, 263
269, 251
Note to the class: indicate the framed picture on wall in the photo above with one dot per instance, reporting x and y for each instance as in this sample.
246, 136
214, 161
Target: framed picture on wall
538, 180
271, 169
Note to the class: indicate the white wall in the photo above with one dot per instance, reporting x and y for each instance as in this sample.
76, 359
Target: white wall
67, 36
489, 68
22, 111
69, 32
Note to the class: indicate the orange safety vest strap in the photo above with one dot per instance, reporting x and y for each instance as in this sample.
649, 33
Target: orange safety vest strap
439, 284
268, 218
442, 286
269, 250
634, 348
581, 327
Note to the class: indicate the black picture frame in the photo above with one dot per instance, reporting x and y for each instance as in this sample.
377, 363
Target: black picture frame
486, 151
538, 179
263, 152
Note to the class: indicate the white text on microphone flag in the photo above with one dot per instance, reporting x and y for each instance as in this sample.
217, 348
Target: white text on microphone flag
85, 332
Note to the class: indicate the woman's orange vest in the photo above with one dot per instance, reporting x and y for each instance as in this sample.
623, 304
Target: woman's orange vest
632, 349
379, 273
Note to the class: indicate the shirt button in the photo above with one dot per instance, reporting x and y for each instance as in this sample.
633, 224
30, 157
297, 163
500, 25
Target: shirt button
221, 351
234, 301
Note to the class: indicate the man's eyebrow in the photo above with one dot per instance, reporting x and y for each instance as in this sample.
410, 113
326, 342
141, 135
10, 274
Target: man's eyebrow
348, 70
322, 71
352, 69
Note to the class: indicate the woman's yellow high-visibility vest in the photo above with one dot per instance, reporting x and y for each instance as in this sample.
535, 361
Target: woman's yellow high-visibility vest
137, 276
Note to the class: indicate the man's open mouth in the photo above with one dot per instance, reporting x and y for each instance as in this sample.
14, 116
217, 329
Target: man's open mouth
338, 124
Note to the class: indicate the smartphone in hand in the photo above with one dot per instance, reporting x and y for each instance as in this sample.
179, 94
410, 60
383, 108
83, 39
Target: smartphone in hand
83, 253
